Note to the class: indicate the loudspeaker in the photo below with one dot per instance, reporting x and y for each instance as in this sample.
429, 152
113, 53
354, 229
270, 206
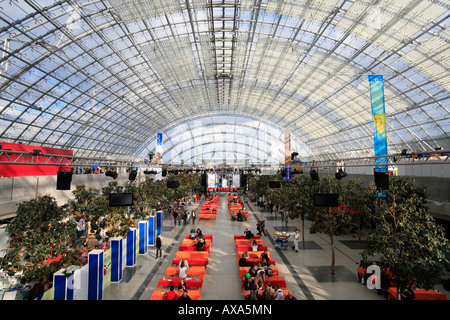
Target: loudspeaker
203, 183
164, 172
111, 174
314, 174
381, 180
173, 184
243, 180
132, 175
63, 180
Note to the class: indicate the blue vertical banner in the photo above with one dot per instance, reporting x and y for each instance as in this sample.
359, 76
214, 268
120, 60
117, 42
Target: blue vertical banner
151, 231
159, 223
61, 286
95, 275
131, 248
143, 234
376, 83
288, 174
116, 259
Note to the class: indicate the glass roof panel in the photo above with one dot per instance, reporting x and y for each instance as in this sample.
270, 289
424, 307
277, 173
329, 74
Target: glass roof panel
102, 77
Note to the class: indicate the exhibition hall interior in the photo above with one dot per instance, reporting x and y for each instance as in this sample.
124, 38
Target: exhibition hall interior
223, 150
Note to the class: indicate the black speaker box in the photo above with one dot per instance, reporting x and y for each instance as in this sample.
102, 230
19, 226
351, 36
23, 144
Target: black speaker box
314, 175
63, 180
381, 180
243, 180
203, 184
132, 175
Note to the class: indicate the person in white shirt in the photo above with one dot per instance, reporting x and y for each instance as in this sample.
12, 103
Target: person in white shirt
182, 269
296, 235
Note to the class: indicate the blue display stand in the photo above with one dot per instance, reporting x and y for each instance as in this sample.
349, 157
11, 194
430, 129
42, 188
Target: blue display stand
62, 286
95, 275
159, 223
151, 231
131, 248
143, 235
116, 259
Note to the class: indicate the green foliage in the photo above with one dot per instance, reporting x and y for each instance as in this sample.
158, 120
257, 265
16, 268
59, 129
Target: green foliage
39, 231
406, 237
42, 229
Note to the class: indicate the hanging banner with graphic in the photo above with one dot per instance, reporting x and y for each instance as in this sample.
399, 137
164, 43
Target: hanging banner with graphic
379, 120
287, 146
159, 147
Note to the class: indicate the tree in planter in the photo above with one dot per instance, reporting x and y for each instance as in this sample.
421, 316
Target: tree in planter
330, 220
304, 198
407, 239
42, 240
353, 197
105, 221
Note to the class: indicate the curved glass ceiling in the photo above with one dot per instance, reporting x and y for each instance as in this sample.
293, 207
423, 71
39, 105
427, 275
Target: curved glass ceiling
102, 77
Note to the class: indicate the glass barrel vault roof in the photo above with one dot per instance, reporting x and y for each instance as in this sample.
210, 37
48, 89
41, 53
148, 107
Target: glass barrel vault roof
102, 77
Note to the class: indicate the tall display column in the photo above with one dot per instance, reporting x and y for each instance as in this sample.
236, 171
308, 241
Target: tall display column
116, 259
95, 275
131, 248
62, 286
159, 223
151, 231
143, 234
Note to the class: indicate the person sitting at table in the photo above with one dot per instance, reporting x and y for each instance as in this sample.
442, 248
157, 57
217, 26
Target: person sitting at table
182, 270
267, 293
239, 215
254, 292
193, 234
200, 243
182, 285
243, 261
265, 258
200, 234
278, 295
171, 295
184, 296
247, 282
254, 245
290, 296
248, 234
407, 294
261, 272
253, 271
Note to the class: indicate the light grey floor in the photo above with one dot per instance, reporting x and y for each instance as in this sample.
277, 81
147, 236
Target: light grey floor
307, 272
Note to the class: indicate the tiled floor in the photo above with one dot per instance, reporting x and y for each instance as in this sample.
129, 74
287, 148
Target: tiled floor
307, 273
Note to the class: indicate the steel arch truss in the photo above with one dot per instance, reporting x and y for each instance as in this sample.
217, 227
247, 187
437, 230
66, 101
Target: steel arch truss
101, 78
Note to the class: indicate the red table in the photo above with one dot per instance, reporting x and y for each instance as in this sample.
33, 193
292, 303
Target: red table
276, 280
184, 247
175, 281
159, 294
206, 236
191, 261
241, 248
420, 294
255, 261
256, 236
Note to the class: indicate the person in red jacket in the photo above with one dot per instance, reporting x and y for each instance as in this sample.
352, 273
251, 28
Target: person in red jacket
171, 295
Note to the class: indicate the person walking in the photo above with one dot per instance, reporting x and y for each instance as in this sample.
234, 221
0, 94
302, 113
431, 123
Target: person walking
158, 246
193, 217
296, 240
